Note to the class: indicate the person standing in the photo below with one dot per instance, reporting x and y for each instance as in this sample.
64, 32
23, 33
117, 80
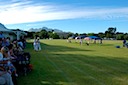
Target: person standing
38, 45
35, 45
81, 41
124, 43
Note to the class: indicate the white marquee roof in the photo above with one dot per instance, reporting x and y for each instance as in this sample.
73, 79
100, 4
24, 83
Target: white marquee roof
4, 29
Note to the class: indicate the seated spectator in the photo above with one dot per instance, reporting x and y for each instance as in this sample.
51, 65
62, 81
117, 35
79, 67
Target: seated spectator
1, 35
20, 43
2, 80
0, 43
18, 50
9, 66
5, 42
10, 52
5, 77
8, 40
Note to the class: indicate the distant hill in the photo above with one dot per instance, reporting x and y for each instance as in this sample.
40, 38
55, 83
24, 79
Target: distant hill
44, 28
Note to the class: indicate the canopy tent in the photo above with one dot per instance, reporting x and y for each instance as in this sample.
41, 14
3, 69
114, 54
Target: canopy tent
72, 37
4, 29
81, 37
19, 33
92, 37
12, 33
87, 38
7, 32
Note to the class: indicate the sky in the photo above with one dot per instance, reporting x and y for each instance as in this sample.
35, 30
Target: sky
77, 16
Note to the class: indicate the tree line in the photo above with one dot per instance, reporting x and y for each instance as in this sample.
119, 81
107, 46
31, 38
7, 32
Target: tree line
110, 33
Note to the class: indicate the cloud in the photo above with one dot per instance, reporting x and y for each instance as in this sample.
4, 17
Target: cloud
27, 11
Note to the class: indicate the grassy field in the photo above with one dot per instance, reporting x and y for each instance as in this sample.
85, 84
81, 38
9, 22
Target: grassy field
62, 63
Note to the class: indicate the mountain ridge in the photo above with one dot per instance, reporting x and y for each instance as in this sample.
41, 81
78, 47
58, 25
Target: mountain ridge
44, 28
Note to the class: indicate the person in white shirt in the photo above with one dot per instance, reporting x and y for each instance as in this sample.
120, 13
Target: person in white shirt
35, 45
38, 45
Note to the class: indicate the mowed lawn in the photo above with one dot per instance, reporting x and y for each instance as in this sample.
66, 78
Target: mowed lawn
63, 63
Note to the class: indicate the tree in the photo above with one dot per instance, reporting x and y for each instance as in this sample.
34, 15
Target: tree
30, 34
110, 33
55, 36
112, 30
35, 35
90, 34
101, 35
43, 34
126, 36
119, 37
70, 34
76, 34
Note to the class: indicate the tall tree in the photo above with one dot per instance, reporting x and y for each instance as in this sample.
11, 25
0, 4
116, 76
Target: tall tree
101, 35
91, 34
126, 36
70, 34
43, 34
112, 30
110, 33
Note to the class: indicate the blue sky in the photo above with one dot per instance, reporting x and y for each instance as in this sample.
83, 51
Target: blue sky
77, 16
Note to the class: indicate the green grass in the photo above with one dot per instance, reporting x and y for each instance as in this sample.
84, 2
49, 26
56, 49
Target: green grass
62, 63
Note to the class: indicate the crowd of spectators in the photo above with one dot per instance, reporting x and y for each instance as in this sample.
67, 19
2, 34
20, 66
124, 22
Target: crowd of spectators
13, 60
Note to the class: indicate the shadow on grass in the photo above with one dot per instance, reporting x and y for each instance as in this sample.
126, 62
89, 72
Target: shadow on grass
56, 48
53, 68
81, 69
107, 45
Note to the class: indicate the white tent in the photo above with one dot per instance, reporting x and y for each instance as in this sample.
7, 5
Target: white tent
19, 33
13, 34
7, 32
4, 29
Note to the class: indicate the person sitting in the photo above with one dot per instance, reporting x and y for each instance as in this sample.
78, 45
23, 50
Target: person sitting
1, 35
9, 66
5, 42
11, 52
20, 43
5, 77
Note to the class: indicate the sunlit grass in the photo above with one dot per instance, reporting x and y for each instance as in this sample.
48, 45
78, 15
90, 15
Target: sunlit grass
62, 63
